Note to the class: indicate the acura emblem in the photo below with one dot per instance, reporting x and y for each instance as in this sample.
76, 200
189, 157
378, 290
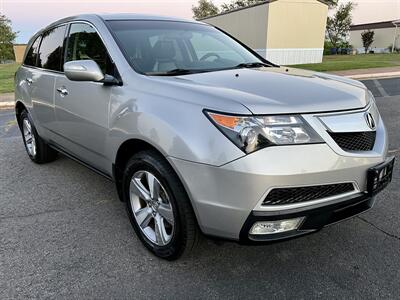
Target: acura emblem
370, 120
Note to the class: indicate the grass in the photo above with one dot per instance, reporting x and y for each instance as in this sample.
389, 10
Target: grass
350, 62
7, 72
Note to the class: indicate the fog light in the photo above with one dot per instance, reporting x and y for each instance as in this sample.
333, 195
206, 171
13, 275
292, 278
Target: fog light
272, 227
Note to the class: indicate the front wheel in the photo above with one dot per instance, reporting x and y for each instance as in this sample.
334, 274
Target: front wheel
158, 206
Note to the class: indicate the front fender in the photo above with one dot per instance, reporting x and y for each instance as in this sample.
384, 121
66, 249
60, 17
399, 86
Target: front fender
176, 128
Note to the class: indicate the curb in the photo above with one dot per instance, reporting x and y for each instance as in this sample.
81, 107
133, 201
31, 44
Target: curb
7, 105
374, 75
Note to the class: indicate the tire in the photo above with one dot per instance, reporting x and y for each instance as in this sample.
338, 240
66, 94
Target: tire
179, 234
37, 149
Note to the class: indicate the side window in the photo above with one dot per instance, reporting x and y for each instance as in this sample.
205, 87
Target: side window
85, 43
51, 49
31, 56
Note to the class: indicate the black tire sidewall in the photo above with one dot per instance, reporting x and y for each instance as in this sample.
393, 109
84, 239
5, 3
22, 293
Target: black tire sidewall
25, 115
148, 162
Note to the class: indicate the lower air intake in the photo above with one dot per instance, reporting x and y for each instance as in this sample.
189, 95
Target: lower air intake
282, 196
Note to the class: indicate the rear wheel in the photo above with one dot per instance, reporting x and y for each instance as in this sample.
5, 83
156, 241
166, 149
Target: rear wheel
158, 206
35, 146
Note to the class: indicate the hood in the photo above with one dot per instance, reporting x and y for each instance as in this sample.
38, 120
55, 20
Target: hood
278, 90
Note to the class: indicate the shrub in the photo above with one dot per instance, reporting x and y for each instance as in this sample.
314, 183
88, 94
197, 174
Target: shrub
367, 39
327, 47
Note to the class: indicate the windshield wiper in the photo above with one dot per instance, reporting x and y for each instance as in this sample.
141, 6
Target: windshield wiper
180, 71
175, 72
252, 65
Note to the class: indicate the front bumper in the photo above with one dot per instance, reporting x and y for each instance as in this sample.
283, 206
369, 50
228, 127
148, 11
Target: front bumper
224, 197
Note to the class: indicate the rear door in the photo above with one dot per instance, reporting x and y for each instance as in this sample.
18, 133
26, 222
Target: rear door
82, 107
48, 66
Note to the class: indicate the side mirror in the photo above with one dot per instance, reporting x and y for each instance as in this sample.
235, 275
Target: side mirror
83, 70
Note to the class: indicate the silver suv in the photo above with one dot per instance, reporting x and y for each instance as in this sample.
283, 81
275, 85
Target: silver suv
200, 133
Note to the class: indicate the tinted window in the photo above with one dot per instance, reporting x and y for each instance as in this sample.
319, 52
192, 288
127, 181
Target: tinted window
162, 46
31, 56
50, 52
85, 43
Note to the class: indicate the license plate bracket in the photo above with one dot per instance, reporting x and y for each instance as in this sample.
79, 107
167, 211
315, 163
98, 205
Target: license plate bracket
380, 176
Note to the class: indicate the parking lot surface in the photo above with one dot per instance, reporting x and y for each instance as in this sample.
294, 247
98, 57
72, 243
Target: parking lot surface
384, 87
65, 234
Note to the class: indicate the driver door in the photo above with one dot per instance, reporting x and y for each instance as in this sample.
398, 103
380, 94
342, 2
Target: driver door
81, 108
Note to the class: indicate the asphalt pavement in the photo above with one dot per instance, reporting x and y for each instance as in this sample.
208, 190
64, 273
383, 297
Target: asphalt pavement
65, 234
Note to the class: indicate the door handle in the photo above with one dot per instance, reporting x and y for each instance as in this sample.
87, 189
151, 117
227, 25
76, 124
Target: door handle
29, 81
63, 91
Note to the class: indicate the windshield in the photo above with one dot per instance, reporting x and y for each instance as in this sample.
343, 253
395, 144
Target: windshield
166, 47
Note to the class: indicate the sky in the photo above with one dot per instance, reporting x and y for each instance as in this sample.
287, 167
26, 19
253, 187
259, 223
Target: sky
28, 16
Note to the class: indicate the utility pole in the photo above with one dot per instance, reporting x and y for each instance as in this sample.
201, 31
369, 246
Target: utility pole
395, 35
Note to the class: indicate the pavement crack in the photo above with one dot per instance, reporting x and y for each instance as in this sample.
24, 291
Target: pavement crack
380, 229
5, 217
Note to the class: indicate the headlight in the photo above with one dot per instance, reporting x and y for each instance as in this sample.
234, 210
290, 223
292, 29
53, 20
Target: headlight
373, 107
251, 133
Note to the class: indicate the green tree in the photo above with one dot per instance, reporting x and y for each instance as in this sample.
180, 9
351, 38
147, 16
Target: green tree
7, 37
367, 39
338, 26
204, 8
331, 3
235, 4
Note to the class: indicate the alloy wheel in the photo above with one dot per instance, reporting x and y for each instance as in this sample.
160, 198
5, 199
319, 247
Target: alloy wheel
29, 137
152, 208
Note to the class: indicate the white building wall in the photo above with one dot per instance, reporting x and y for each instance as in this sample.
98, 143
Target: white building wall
292, 56
382, 39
